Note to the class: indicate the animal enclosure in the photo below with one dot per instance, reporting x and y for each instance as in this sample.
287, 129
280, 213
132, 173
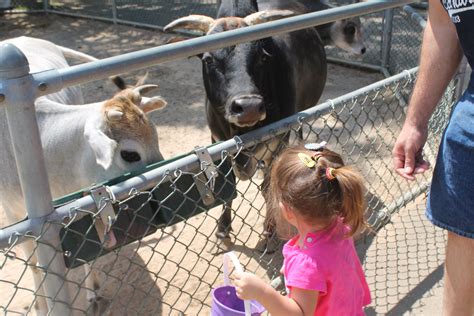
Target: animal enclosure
172, 269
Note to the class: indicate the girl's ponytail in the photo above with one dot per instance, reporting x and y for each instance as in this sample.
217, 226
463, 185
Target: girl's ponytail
317, 186
353, 202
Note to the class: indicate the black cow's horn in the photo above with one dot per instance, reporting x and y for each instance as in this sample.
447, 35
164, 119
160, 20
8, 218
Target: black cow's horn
266, 16
193, 22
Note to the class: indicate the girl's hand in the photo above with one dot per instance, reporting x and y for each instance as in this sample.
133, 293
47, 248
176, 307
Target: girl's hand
248, 286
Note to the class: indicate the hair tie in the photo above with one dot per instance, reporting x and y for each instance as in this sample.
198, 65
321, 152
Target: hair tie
329, 173
316, 156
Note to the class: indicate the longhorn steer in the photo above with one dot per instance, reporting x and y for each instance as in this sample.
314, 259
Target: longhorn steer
253, 84
82, 143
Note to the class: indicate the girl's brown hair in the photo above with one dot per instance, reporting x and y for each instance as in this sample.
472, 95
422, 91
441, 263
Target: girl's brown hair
312, 194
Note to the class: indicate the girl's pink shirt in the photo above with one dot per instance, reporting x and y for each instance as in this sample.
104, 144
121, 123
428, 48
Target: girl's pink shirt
328, 263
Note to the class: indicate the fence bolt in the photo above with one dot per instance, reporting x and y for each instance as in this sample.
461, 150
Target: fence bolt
2, 97
42, 86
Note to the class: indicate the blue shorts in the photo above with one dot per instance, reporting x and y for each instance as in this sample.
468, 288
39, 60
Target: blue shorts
451, 199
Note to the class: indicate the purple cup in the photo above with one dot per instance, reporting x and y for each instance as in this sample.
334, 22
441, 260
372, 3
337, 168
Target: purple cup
226, 303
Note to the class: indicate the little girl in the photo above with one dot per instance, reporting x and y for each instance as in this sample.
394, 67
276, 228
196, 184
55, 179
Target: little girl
324, 201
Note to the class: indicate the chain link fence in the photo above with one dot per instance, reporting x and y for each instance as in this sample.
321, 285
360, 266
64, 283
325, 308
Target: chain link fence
177, 260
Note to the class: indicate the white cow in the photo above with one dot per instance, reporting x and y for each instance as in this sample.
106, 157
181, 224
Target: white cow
82, 143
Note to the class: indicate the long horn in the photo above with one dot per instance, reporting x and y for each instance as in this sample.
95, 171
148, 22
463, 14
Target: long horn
193, 22
267, 16
145, 88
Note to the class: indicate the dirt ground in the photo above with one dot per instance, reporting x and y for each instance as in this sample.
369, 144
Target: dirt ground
181, 126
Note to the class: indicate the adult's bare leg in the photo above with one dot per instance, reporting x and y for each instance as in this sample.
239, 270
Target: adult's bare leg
458, 297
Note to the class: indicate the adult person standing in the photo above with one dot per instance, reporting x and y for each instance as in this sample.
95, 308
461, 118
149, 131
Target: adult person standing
449, 33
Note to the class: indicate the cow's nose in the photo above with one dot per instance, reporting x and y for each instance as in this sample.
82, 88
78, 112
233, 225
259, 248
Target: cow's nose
362, 51
248, 109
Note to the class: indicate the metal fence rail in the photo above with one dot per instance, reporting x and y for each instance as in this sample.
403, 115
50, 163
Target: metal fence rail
176, 260
378, 28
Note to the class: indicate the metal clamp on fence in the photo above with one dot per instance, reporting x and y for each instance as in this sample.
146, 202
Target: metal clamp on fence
205, 180
103, 199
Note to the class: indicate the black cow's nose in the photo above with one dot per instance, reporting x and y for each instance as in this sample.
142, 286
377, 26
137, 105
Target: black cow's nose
362, 51
248, 109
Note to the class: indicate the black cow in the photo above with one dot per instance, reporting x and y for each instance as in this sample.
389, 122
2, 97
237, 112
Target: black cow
253, 84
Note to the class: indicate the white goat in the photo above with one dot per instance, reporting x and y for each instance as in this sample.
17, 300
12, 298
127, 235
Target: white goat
82, 143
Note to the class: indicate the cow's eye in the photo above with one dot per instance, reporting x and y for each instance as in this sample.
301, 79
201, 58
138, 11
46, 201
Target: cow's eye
265, 55
350, 30
130, 156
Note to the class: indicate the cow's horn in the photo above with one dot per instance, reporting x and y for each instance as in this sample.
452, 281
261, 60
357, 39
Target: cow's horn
145, 88
193, 22
266, 16
114, 115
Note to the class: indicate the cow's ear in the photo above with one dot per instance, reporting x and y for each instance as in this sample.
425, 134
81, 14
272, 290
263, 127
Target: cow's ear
149, 105
101, 145
267, 16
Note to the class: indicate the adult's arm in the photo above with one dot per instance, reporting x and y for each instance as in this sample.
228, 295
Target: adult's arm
441, 54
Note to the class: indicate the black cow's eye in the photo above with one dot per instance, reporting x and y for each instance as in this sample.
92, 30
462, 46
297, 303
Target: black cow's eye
130, 156
265, 55
350, 30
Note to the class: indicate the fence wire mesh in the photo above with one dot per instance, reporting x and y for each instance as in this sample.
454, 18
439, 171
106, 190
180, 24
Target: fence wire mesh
23, 5
406, 35
177, 260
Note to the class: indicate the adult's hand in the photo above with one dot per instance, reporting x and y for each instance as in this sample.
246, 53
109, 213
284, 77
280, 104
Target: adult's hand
407, 153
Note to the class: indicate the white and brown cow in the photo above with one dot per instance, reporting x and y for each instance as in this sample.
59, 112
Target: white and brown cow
82, 143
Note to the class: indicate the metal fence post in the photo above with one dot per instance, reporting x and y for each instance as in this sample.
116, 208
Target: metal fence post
387, 37
114, 11
17, 91
46, 6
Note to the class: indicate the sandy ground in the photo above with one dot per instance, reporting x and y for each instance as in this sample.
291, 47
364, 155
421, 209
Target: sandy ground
173, 270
